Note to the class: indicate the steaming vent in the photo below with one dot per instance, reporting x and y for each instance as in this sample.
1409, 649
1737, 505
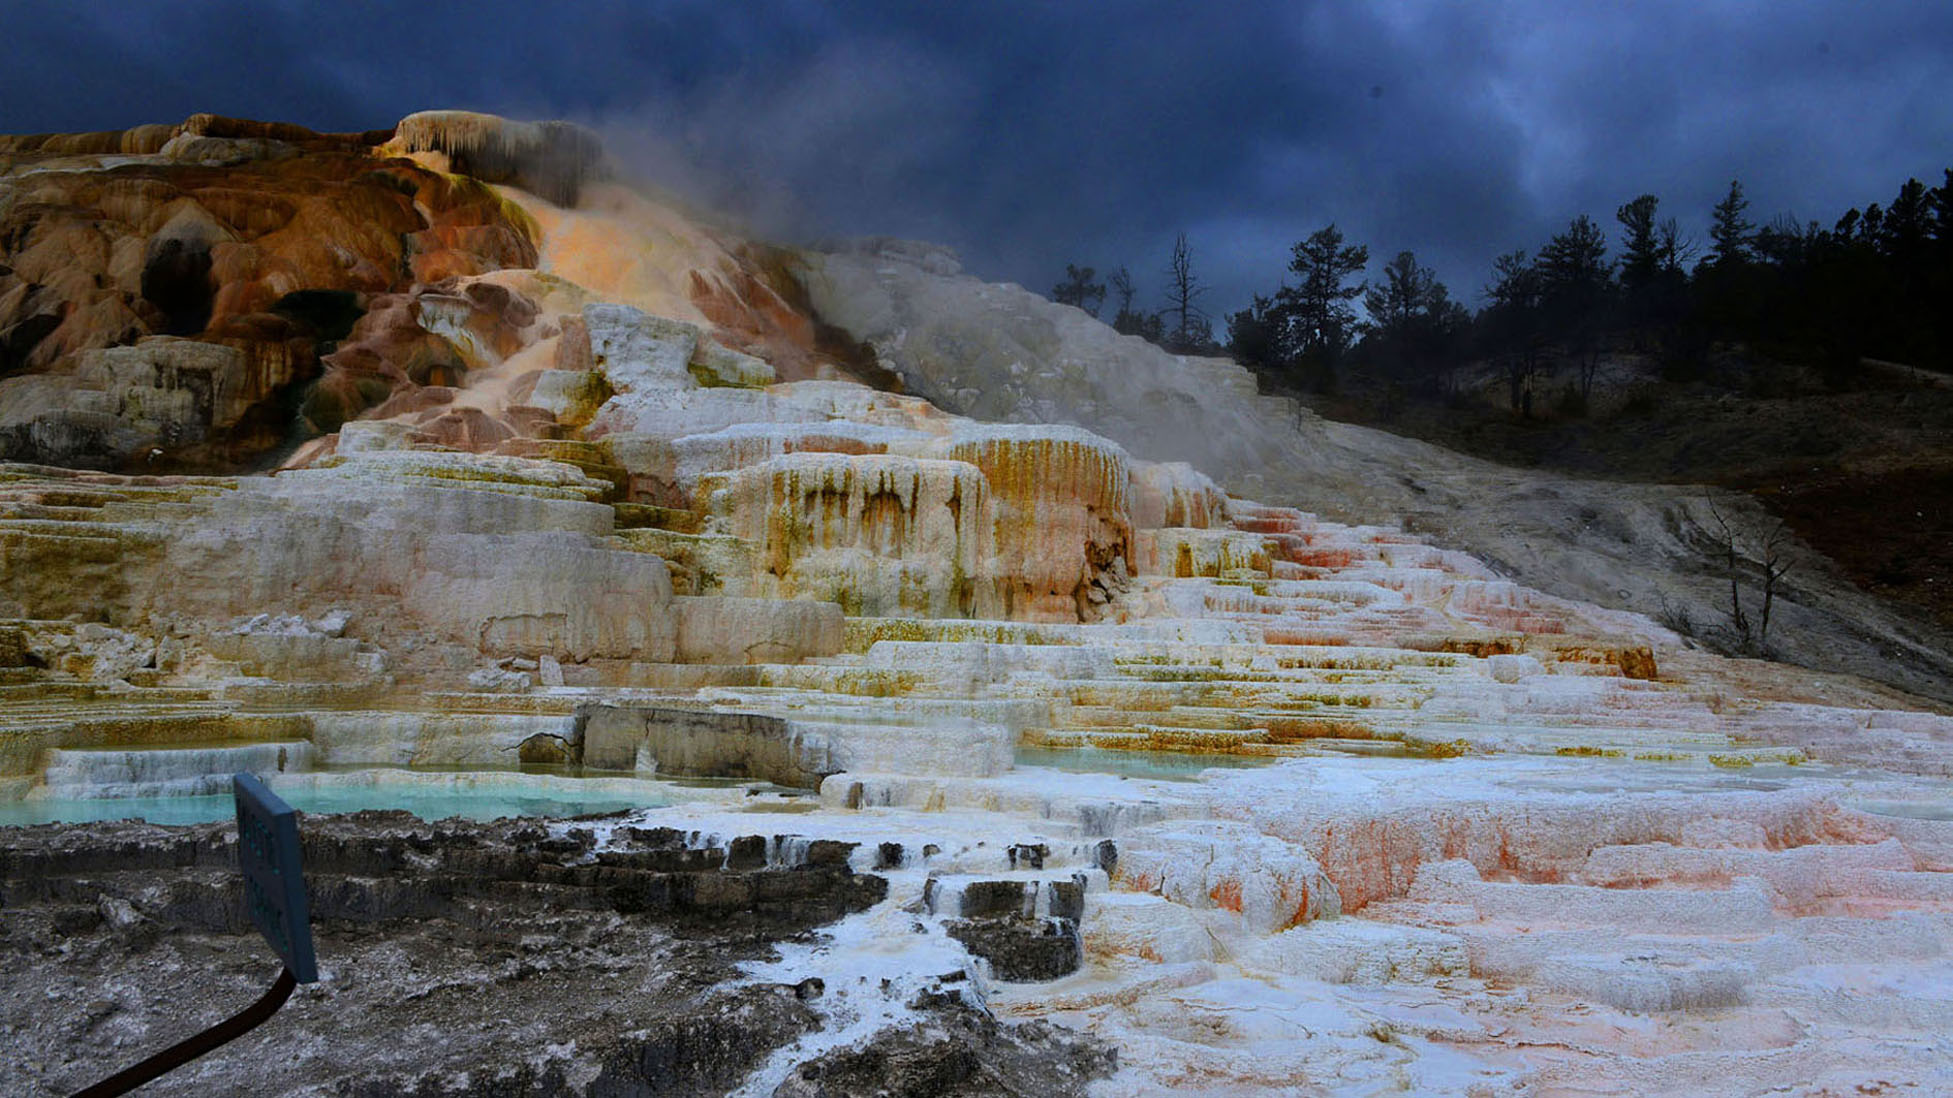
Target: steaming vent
550, 159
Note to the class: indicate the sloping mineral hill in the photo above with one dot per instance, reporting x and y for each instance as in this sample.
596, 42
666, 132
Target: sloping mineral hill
564, 485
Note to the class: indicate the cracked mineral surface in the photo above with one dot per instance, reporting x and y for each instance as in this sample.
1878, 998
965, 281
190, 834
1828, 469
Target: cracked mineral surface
794, 729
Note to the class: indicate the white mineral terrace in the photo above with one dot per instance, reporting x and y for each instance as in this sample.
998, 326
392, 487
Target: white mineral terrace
1522, 872
1324, 808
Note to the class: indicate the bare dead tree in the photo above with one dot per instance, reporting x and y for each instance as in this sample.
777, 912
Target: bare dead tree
1726, 545
1191, 329
1122, 288
1734, 542
1589, 366
1675, 248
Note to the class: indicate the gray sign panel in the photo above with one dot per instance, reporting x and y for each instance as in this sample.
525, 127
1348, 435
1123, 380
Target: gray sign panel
274, 885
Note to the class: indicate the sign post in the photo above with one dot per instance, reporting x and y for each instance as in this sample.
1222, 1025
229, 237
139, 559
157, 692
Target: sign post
274, 897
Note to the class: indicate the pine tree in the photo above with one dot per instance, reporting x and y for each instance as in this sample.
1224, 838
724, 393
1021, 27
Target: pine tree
1574, 263
1512, 326
1729, 230
1256, 336
1321, 325
1414, 323
1079, 290
1404, 295
1641, 244
1576, 290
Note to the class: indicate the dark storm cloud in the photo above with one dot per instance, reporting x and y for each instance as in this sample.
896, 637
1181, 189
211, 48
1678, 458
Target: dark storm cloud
1029, 134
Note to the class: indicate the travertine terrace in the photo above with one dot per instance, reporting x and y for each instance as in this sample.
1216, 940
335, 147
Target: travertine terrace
567, 480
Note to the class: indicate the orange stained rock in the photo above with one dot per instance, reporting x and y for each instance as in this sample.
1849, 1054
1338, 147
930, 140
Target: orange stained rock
624, 248
410, 352
1227, 895
107, 257
1063, 514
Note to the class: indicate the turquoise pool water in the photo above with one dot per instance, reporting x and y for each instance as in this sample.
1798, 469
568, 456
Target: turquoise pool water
426, 805
429, 795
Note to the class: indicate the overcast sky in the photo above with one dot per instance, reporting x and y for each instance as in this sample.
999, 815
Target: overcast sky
1028, 134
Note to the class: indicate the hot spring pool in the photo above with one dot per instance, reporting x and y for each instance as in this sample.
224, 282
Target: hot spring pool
429, 794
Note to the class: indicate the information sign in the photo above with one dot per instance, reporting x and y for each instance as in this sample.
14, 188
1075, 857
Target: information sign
274, 886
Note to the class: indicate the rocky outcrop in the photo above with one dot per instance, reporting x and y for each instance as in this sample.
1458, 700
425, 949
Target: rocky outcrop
408, 354
491, 556
161, 395
624, 248
957, 1053
1025, 930
262, 243
638, 353
551, 159
756, 631
343, 269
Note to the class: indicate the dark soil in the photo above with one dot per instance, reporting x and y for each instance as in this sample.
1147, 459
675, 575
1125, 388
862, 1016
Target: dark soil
1892, 533
457, 960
